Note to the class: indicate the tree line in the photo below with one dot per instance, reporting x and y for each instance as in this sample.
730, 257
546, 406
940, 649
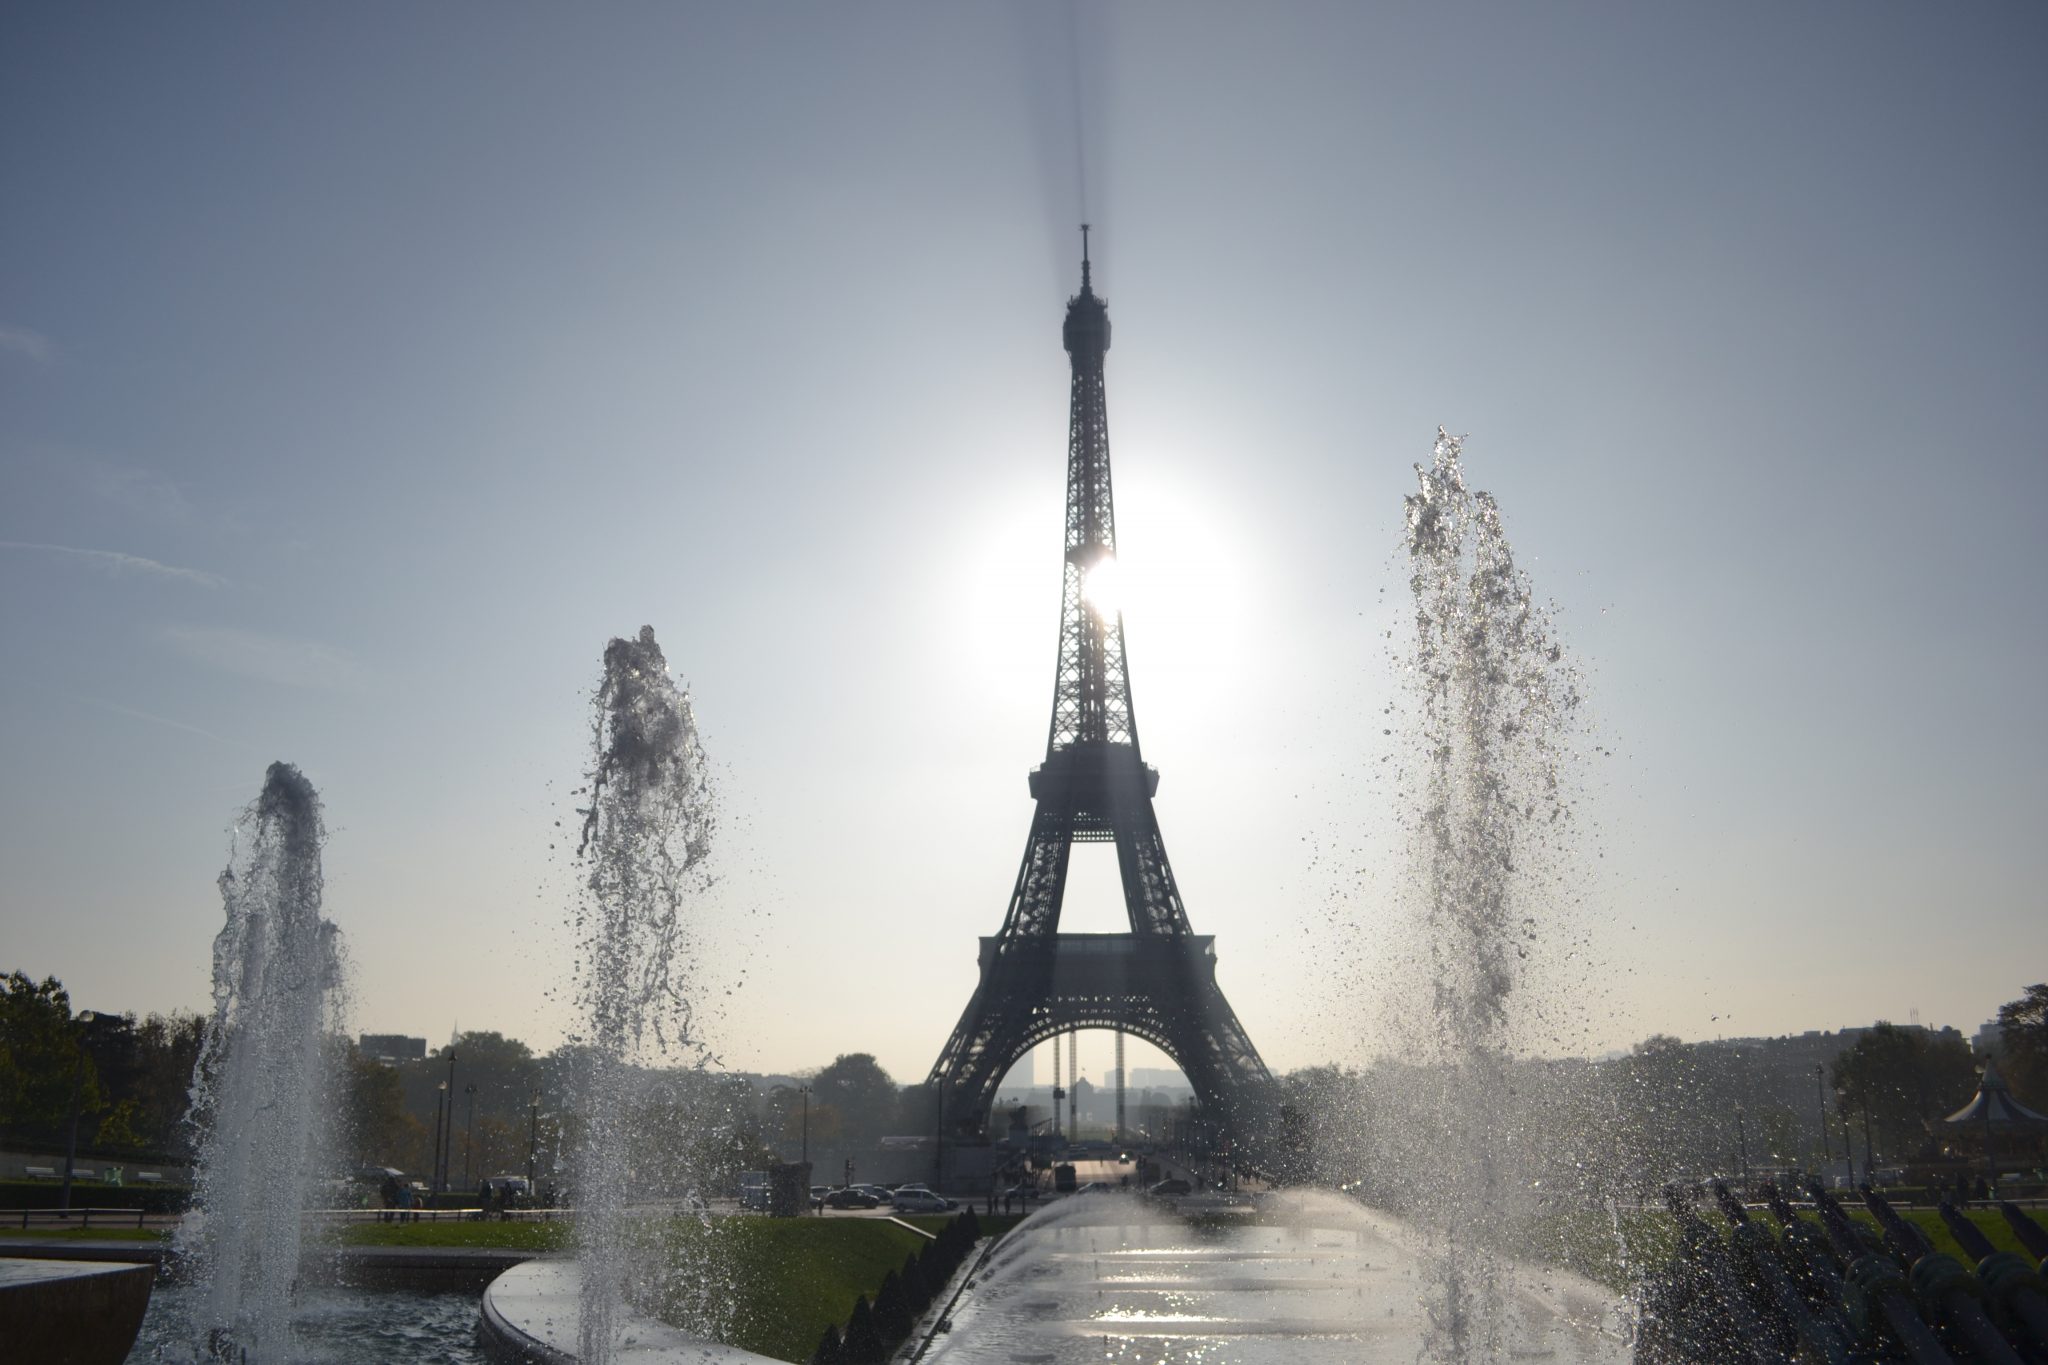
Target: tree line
1669, 1108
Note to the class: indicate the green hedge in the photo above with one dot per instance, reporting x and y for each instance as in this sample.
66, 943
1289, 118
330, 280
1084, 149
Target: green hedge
91, 1194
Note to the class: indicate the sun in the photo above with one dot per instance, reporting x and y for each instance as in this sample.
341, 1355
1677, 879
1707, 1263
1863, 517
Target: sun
1102, 587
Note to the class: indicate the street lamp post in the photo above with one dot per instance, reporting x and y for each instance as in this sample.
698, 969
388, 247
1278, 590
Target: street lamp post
440, 1107
533, 1146
468, 1131
1820, 1085
805, 1091
448, 1129
1742, 1144
1848, 1141
77, 1097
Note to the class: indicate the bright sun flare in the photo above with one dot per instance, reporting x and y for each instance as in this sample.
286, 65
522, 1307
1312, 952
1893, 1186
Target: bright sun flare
1100, 588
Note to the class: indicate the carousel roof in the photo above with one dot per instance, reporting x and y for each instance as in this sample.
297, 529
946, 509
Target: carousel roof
1994, 1104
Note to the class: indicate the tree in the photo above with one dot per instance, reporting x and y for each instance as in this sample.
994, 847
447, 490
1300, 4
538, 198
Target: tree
856, 1086
117, 1129
1908, 1078
42, 1064
166, 1050
2023, 1028
375, 1120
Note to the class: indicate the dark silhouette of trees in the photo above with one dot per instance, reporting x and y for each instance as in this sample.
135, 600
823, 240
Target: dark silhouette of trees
159, 1081
2023, 1032
373, 1108
1909, 1078
862, 1344
42, 1057
862, 1094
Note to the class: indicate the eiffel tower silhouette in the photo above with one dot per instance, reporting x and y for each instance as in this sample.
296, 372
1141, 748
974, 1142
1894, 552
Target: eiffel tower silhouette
1158, 981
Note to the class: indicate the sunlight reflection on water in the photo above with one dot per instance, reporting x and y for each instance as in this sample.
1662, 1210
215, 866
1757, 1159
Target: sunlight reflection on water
337, 1327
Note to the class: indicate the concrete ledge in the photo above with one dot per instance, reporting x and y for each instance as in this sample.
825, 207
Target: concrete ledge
37, 1249
423, 1269
58, 1313
531, 1315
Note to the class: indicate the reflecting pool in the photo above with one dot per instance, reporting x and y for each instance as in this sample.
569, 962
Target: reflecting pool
1303, 1279
336, 1327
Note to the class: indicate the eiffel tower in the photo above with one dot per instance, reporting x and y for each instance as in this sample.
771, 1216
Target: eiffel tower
1159, 980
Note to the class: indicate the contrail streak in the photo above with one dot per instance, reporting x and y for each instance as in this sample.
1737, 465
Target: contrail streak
116, 562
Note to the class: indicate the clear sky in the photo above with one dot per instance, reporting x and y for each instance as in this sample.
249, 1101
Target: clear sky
364, 368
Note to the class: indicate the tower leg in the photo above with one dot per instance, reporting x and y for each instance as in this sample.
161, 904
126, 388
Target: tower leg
1120, 1081
1074, 1083
1057, 1096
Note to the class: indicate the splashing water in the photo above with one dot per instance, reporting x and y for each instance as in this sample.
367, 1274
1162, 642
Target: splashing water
1495, 699
258, 1090
646, 834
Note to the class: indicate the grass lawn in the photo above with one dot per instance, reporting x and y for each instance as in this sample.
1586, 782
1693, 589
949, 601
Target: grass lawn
780, 1281
770, 1285
1585, 1240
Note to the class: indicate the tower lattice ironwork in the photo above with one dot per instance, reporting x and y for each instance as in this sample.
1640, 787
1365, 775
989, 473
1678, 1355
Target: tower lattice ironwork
1159, 980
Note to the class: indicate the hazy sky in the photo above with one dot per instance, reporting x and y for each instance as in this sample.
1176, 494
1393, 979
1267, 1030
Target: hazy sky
364, 368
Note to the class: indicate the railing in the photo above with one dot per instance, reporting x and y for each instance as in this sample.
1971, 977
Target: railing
474, 1215
83, 1218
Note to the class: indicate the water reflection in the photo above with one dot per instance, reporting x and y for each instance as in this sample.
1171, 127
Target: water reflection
335, 1327
1307, 1278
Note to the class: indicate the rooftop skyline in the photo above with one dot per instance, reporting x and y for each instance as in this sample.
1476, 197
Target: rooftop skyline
362, 373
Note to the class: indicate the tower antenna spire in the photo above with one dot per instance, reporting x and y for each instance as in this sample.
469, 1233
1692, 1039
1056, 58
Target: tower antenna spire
1084, 256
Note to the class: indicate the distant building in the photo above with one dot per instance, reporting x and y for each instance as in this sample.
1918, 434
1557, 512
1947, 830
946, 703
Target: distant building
391, 1047
1158, 1078
1989, 1040
1164, 1083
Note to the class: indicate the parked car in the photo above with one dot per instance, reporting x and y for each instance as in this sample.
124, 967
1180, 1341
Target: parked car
882, 1193
1095, 1187
1165, 1187
921, 1201
851, 1198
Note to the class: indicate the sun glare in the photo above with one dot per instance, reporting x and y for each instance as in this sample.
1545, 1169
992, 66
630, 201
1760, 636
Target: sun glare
1102, 588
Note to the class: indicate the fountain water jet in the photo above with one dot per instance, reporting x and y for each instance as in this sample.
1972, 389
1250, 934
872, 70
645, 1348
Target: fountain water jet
258, 1086
646, 834
1496, 698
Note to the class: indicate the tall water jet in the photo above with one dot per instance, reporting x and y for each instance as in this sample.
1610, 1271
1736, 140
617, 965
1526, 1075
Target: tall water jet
258, 1088
1495, 698
646, 834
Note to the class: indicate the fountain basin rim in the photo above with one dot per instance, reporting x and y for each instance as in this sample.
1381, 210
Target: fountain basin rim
531, 1314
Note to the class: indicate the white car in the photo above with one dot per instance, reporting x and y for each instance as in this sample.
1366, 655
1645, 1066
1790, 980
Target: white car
921, 1201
